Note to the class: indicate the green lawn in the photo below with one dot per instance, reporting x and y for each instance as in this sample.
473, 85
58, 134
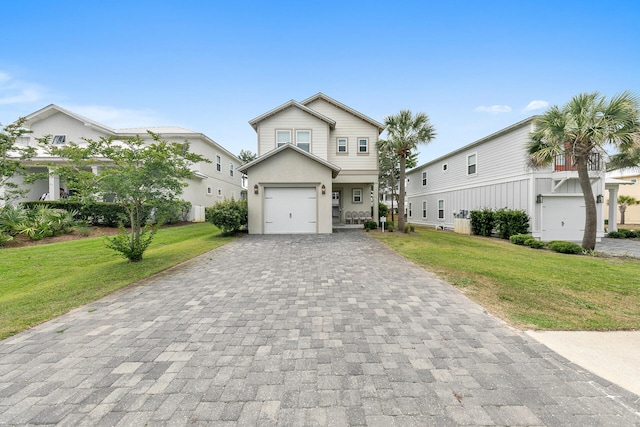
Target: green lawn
529, 288
44, 281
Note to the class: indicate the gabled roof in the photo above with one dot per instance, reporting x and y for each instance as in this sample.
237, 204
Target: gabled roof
159, 129
335, 170
340, 105
52, 109
290, 104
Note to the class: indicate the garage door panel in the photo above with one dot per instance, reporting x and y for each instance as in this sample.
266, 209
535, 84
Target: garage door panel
562, 219
290, 210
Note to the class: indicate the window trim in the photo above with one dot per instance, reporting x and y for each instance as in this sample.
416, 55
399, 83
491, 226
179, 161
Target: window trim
410, 211
218, 163
441, 209
424, 178
219, 192
424, 209
280, 144
354, 194
310, 136
209, 191
346, 145
231, 169
367, 145
474, 164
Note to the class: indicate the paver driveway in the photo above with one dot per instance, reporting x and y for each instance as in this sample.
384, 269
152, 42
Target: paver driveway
295, 330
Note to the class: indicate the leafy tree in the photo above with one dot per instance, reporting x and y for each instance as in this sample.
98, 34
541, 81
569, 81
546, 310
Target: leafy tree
628, 159
247, 156
138, 174
404, 132
11, 157
623, 203
584, 126
389, 170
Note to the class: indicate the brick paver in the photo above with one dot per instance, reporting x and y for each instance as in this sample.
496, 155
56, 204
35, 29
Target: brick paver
295, 330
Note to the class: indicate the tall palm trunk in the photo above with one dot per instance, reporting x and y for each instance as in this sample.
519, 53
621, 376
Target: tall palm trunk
403, 165
591, 216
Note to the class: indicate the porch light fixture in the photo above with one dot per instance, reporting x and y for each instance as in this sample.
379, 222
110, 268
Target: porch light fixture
599, 198
323, 189
255, 189
539, 198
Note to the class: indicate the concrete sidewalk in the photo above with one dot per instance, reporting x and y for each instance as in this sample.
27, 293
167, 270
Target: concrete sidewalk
614, 356
296, 330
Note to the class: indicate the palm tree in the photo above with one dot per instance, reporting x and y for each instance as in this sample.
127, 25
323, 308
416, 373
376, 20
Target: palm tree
404, 132
623, 203
585, 126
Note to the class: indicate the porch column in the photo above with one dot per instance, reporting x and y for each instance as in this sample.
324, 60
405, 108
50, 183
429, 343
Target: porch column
613, 209
54, 186
376, 202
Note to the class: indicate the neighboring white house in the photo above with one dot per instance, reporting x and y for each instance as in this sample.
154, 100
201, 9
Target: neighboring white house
629, 178
493, 173
317, 167
212, 182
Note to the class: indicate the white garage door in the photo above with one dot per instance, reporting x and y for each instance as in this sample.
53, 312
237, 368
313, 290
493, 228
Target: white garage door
289, 210
563, 218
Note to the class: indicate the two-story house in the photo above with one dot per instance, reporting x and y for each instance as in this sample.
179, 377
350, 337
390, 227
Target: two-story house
211, 182
493, 173
317, 165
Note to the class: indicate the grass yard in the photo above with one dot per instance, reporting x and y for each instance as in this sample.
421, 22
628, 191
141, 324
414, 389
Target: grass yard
529, 288
41, 282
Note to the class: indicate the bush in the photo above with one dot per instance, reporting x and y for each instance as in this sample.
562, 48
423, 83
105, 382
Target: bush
370, 225
534, 243
130, 245
564, 247
406, 228
5, 238
382, 209
509, 222
412, 228
100, 213
520, 239
482, 222
615, 235
229, 215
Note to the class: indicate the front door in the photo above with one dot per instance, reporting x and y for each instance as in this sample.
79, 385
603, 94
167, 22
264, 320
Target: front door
335, 207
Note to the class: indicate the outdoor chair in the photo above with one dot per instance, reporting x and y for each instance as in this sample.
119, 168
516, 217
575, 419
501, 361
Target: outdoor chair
362, 216
347, 218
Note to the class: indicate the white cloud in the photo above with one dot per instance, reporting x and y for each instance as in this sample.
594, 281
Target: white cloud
536, 105
13, 91
494, 109
117, 118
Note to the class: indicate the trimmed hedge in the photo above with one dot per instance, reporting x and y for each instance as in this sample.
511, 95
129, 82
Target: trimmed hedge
565, 247
506, 222
624, 233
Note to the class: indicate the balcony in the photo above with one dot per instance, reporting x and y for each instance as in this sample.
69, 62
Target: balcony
565, 163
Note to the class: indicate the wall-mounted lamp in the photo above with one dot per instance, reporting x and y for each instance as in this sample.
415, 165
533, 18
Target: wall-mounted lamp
539, 198
323, 189
599, 198
255, 189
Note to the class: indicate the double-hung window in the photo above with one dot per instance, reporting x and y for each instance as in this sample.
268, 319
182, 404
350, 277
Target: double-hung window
218, 163
342, 145
424, 178
424, 209
230, 168
283, 137
441, 209
303, 140
363, 145
357, 195
410, 210
472, 164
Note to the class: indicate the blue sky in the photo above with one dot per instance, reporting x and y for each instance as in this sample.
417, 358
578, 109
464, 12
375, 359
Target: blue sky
474, 67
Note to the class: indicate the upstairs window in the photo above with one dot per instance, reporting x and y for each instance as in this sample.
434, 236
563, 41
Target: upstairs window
471, 164
342, 145
230, 168
424, 178
445, 167
218, 163
303, 140
59, 139
283, 137
363, 145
